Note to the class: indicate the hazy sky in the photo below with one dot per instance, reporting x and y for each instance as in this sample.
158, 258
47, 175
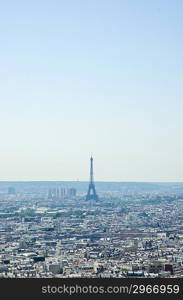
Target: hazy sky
102, 77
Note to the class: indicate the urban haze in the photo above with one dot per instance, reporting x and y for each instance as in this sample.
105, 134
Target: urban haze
91, 169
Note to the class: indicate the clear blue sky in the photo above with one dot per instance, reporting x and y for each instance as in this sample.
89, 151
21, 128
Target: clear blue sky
102, 77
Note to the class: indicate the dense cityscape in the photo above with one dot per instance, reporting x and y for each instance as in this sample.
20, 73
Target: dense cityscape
51, 229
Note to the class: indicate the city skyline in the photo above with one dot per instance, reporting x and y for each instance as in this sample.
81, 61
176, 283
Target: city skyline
52, 231
100, 77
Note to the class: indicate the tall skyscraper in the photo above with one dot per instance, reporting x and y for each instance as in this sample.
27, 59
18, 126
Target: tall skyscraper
91, 195
11, 190
52, 193
72, 192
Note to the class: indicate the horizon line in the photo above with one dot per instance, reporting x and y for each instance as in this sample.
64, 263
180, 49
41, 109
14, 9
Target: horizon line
99, 181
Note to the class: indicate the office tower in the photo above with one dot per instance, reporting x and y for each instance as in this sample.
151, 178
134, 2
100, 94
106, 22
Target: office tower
63, 193
11, 191
52, 193
91, 195
72, 192
57, 193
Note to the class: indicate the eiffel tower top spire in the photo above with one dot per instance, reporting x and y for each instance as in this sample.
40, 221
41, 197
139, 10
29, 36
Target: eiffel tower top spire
91, 170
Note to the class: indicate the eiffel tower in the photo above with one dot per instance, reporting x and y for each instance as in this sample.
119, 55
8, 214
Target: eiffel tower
91, 195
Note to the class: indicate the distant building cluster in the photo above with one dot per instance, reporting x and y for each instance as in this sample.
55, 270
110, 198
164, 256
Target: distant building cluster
11, 191
61, 193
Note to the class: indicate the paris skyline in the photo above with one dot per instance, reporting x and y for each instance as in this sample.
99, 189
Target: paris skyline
91, 77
